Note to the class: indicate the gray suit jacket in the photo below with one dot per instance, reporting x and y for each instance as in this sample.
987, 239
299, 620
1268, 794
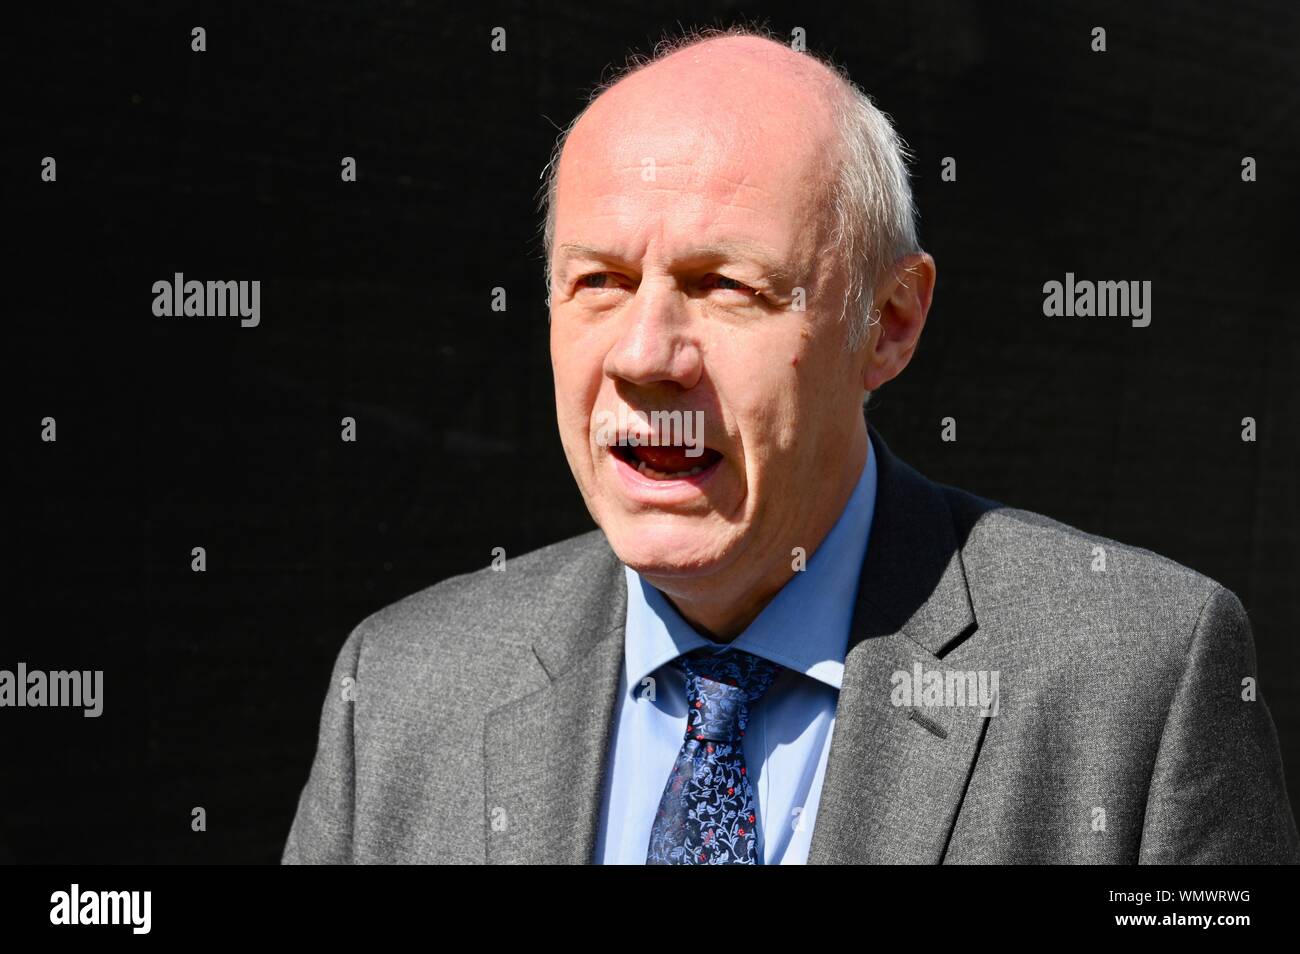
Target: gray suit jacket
468, 723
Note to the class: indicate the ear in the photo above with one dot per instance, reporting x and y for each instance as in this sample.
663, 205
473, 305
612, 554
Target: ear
903, 301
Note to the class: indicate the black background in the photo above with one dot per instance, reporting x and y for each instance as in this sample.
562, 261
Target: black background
224, 165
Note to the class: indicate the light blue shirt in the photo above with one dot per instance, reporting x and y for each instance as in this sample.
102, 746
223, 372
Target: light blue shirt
804, 628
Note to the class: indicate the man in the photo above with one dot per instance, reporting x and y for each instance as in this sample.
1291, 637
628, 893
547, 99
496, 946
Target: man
783, 645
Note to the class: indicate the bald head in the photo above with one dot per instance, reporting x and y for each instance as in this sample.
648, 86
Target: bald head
740, 89
744, 91
728, 100
731, 135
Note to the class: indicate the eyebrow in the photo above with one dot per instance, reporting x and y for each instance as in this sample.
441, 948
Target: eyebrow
735, 249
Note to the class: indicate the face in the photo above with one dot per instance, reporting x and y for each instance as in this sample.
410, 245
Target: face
689, 233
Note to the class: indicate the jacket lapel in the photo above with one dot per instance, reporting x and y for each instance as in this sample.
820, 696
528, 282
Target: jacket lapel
544, 755
896, 775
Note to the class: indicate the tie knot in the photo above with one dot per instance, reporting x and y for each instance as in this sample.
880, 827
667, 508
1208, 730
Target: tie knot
719, 690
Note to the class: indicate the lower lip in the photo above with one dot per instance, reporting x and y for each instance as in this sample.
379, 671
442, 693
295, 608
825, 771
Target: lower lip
662, 492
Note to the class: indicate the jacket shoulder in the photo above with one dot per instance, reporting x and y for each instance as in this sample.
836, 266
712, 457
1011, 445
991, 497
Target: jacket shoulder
488, 604
1028, 550
1082, 594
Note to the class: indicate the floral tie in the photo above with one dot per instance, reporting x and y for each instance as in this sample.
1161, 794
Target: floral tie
707, 815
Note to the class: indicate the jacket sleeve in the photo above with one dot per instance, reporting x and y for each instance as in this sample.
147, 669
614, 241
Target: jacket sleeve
322, 828
1217, 793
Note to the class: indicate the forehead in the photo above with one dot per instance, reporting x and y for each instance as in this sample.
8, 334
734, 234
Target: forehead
731, 145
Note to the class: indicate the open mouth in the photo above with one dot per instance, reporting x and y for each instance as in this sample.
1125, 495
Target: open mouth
667, 462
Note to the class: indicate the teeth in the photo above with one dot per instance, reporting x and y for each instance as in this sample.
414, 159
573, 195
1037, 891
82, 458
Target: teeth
647, 471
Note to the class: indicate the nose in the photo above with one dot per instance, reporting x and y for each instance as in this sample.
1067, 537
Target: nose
656, 343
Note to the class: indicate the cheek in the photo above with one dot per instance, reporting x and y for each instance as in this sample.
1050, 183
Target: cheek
561, 348
802, 358
577, 364
761, 390
769, 420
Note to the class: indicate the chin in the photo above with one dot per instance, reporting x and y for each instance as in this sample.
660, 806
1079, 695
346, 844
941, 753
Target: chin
668, 551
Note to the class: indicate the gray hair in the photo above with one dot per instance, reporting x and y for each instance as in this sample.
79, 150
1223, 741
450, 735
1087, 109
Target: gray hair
871, 197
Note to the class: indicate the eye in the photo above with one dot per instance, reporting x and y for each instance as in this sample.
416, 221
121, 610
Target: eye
597, 280
714, 280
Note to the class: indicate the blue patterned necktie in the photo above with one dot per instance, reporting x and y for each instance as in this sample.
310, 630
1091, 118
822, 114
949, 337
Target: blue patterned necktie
707, 815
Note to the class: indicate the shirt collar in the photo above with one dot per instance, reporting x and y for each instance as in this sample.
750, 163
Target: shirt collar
806, 625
